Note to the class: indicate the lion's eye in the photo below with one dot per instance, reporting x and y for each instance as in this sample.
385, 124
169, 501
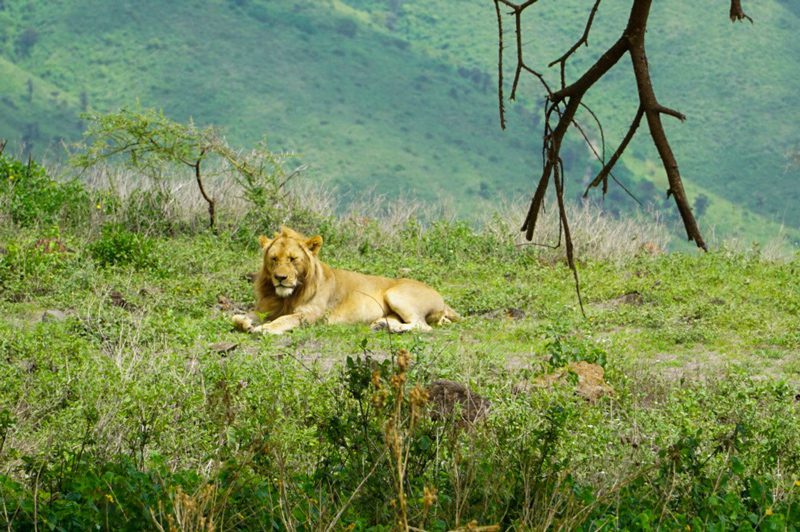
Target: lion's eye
292, 259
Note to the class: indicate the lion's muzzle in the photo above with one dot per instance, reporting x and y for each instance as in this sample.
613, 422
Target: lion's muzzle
284, 291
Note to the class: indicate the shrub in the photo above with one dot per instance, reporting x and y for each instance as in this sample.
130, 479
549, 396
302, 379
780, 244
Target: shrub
117, 246
32, 197
30, 266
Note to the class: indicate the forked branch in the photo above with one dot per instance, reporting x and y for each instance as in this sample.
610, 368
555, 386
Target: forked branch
563, 104
737, 13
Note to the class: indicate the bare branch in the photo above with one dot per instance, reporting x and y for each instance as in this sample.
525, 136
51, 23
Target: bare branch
211, 202
517, 10
737, 13
562, 215
562, 61
671, 112
602, 176
500, 100
635, 33
603, 64
553, 141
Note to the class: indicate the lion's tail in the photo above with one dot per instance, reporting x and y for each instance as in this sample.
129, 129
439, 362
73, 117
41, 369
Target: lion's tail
443, 316
451, 314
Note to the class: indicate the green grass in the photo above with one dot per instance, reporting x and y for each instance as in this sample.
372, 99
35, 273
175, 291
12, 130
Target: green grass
123, 414
399, 97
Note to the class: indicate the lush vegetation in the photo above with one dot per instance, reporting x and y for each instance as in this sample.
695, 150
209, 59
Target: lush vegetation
127, 401
412, 84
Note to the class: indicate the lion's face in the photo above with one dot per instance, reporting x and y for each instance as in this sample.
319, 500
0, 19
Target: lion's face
288, 260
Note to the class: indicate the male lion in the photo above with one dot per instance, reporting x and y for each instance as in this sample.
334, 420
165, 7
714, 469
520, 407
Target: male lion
294, 287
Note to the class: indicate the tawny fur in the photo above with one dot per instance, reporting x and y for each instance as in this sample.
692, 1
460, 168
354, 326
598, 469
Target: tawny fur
295, 287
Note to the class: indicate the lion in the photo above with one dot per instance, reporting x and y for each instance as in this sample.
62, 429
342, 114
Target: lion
294, 287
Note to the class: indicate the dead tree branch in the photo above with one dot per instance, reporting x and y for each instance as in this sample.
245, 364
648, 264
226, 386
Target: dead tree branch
562, 106
637, 26
500, 100
562, 61
602, 175
737, 13
199, 178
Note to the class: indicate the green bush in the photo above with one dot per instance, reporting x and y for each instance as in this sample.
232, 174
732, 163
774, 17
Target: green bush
32, 197
119, 247
30, 266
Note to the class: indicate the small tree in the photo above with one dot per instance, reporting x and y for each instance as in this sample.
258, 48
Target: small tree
148, 141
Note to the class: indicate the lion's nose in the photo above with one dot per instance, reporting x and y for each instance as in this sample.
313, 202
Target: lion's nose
280, 278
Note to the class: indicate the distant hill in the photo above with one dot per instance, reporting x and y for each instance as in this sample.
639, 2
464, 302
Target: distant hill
399, 96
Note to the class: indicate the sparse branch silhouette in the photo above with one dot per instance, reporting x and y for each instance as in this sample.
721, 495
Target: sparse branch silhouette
563, 104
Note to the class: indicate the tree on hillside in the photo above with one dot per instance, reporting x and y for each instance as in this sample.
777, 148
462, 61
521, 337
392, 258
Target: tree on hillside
148, 141
564, 101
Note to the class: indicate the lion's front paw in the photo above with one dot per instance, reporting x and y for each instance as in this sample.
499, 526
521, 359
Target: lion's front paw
266, 329
243, 322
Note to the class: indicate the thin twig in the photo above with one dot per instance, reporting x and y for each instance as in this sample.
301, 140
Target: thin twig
562, 61
500, 99
602, 176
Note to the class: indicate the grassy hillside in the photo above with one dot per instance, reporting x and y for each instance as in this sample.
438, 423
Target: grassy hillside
398, 96
127, 400
356, 103
735, 82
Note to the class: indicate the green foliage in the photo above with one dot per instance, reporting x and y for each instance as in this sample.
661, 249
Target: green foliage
145, 138
417, 52
565, 347
32, 197
29, 266
148, 141
142, 407
119, 247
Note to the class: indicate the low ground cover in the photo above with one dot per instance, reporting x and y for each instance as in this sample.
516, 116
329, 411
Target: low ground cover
128, 401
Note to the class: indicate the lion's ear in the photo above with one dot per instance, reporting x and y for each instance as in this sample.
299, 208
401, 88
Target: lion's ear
264, 241
314, 244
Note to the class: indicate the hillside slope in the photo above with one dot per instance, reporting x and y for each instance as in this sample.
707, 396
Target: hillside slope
737, 83
354, 102
399, 96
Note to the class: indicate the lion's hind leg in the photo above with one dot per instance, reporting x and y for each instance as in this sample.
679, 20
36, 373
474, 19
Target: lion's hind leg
406, 312
394, 325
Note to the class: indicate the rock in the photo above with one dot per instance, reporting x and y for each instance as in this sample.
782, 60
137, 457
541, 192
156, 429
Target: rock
51, 245
515, 313
28, 366
53, 315
448, 397
223, 348
591, 382
118, 300
629, 298
224, 303
511, 313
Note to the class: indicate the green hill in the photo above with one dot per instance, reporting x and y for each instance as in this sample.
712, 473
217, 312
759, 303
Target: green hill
399, 96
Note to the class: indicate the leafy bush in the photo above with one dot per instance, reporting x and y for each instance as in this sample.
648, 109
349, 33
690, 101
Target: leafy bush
117, 247
564, 347
30, 266
32, 197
